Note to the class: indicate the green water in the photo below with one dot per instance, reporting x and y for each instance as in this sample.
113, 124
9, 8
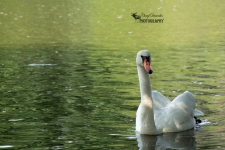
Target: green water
87, 93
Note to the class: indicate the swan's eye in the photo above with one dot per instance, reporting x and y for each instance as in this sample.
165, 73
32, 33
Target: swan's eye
145, 57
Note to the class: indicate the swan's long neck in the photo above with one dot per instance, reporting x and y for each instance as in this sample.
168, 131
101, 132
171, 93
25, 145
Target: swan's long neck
145, 85
147, 115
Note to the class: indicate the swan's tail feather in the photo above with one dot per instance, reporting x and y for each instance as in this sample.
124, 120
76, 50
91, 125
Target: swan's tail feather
198, 113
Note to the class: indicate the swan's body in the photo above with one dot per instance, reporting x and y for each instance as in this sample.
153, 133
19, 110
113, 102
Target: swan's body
156, 114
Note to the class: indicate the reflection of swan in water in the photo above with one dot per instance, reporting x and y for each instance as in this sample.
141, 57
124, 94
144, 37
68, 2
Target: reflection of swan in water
177, 140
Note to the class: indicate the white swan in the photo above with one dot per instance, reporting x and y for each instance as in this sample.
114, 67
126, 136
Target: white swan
156, 114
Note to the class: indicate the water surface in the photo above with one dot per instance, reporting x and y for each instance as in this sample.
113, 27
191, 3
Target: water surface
69, 79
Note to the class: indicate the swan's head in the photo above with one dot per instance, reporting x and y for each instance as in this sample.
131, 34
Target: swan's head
144, 60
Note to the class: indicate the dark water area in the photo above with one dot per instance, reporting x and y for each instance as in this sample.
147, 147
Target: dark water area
69, 80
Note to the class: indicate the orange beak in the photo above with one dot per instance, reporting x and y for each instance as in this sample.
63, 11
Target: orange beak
147, 66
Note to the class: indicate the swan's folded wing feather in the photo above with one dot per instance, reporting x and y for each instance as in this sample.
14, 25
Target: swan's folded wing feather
179, 114
159, 100
198, 113
187, 98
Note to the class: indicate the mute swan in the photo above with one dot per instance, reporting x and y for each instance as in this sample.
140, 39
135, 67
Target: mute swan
156, 114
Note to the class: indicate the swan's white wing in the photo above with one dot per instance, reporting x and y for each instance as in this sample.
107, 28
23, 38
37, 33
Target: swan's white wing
159, 100
189, 101
185, 98
177, 115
